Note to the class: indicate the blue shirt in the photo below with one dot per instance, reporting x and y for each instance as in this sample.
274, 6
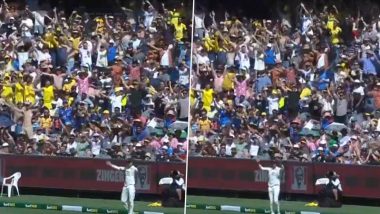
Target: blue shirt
225, 118
270, 57
324, 80
368, 66
263, 82
66, 115
139, 136
111, 54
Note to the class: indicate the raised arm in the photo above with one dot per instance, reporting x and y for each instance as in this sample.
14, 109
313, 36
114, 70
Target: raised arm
261, 167
114, 166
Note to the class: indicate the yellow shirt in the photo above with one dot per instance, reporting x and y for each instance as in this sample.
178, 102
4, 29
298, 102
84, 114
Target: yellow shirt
19, 93
211, 44
204, 125
152, 90
48, 96
208, 97
75, 42
29, 94
335, 35
306, 92
228, 82
7, 92
174, 15
330, 23
100, 25
192, 97
50, 40
281, 103
68, 87
46, 123
180, 31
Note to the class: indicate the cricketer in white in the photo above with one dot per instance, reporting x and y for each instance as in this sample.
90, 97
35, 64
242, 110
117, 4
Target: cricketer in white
128, 192
274, 181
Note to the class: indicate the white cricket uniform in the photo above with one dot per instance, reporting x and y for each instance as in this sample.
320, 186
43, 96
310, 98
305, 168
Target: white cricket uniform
274, 181
128, 193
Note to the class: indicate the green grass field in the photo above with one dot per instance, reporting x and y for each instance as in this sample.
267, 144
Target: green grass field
86, 202
286, 205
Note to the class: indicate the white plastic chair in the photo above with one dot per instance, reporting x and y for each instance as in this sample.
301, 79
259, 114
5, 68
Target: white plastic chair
13, 183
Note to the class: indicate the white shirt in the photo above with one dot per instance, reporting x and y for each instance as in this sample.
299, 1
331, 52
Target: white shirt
244, 60
22, 58
38, 18
101, 60
149, 17
130, 176
337, 184
183, 77
41, 56
306, 24
198, 22
229, 149
165, 61
259, 62
359, 90
95, 147
272, 104
86, 59
274, 176
27, 24
203, 59
321, 61
136, 43
116, 101
71, 146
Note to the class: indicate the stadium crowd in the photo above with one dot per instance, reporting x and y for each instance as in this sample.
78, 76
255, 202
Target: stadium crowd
303, 90
109, 86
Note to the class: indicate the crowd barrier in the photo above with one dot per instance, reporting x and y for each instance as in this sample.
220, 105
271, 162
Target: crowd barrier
82, 173
204, 173
245, 175
69, 208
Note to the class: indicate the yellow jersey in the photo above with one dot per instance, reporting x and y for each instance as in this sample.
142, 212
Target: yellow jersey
29, 94
19, 93
228, 82
180, 31
48, 96
306, 92
335, 39
7, 92
208, 97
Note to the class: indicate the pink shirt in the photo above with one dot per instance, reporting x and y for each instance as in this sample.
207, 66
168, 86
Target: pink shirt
83, 85
311, 145
241, 88
155, 144
185, 145
174, 142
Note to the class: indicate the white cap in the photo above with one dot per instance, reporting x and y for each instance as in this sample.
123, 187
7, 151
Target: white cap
269, 45
138, 145
320, 149
296, 146
165, 147
356, 81
111, 41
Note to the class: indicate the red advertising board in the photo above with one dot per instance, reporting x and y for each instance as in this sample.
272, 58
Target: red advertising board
244, 175
82, 174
